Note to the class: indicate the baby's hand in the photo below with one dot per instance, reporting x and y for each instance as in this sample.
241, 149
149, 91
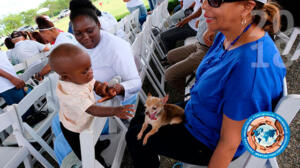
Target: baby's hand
123, 112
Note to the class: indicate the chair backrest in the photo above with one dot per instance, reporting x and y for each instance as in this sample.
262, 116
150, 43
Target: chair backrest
291, 40
137, 52
33, 60
31, 71
9, 118
20, 67
134, 21
88, 139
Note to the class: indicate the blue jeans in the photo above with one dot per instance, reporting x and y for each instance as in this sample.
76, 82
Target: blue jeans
14, 96
142, 14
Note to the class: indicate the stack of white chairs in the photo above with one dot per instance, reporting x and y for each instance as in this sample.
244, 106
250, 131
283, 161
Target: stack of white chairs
134, 22
14, 156
124, 25
143, 67
34, 134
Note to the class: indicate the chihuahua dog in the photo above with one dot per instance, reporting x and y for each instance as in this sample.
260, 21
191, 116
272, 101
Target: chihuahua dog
158, 114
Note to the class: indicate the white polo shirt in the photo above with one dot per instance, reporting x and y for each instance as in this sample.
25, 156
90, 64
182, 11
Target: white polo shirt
26, 49
6, 66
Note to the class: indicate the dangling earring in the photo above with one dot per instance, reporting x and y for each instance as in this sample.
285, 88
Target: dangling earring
244, 22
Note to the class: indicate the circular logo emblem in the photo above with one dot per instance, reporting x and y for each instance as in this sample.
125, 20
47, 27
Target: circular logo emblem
265, 134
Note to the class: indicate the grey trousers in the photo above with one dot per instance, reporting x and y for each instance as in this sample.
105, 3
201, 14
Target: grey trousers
184, 61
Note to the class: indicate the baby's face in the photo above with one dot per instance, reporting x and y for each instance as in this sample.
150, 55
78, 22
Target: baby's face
81, 71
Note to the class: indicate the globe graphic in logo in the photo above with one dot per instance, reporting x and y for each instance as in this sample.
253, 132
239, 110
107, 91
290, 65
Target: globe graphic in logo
265, 135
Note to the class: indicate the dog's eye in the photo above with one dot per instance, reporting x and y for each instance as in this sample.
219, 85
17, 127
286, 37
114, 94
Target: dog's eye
154, 108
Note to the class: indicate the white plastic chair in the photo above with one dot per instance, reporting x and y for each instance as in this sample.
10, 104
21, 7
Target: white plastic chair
20, 67
47, 87
287, 107
154, 20
290, 42
134, 22
148, 55
124, 24
35, 59
14, 156
113, 154
142, 67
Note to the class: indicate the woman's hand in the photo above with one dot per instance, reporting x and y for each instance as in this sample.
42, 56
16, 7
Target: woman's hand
103, 90
17, 82
208, 37
183, 22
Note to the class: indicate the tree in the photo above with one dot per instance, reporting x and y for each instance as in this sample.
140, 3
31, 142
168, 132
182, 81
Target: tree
28, 16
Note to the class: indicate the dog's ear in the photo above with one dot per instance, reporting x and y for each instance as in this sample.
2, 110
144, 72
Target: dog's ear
165, 99
149, 94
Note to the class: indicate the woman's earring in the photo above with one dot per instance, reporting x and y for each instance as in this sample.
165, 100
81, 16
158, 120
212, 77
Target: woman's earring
244, 22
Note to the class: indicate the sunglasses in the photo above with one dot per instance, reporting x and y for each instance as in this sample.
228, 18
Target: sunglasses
217, 3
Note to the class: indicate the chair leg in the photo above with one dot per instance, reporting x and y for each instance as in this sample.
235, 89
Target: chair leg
27, 162
47, 148
34, 152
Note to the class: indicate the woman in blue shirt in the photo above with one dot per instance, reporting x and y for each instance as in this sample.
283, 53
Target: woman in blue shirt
242, 74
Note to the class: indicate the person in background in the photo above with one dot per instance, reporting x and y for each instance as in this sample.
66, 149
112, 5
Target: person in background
185, 60
184, 11
24, 48
133, 5
184, 29
12, 87
53, 36
10, 52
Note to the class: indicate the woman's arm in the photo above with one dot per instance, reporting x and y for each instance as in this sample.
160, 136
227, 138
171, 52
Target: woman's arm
124, 66
229, 141
14, 80
189, 18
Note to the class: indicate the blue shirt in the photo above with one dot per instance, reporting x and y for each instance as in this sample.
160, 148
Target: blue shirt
237, 83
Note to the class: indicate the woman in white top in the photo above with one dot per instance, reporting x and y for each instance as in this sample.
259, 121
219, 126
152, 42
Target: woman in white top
53, 36
110, 56
25, 49
11, 87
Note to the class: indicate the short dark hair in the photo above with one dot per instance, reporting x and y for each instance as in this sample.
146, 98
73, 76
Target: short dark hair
83, 7
8, 43
15, 34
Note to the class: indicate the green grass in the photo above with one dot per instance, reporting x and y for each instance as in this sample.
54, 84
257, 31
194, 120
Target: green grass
115, 7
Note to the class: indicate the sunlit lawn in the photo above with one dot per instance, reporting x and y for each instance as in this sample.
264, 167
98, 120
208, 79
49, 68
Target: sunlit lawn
115, 7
